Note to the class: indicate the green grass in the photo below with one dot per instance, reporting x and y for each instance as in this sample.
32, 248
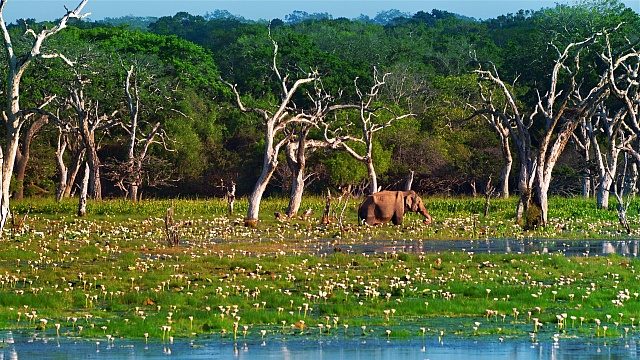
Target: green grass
114, 274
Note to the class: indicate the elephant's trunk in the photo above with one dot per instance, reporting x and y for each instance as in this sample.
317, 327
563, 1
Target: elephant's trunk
425, 213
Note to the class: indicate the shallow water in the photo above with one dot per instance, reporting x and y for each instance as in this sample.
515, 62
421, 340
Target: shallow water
21, 346
630, 248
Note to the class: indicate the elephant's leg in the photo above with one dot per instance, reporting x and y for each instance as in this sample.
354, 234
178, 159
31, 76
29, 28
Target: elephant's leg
397, 219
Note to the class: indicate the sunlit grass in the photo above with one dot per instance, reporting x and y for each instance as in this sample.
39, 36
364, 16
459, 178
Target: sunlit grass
114, 274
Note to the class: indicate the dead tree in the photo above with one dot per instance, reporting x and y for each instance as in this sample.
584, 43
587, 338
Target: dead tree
607, 148
491, 115
296, 155
582, 140
623, 67
84, 189
88, 121
68, 138
409, 182
13, 115
130, 174
372, 118
62, 167
24, 153
323, 105
275, 121
558, 114
623, 197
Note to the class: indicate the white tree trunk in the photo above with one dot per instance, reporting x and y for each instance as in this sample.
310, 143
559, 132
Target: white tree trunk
604, 190
8, 162
133, 192
373, 177
269, 164
82, 201
76, 163
297, 189
505, 173
409, 183
256, 196
62, 169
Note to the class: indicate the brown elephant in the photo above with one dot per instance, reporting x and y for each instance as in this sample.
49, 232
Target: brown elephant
383, 206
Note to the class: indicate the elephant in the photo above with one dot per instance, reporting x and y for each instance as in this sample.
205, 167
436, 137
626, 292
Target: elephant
383, 206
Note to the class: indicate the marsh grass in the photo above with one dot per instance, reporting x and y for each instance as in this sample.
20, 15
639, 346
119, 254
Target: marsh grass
114, 274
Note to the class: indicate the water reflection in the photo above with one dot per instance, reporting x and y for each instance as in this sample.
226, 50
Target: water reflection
25, 347
627, 248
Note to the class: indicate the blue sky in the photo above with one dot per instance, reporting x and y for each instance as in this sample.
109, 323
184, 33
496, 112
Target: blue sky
268, 9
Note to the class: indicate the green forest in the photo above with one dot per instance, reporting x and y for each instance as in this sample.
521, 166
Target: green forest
536, 103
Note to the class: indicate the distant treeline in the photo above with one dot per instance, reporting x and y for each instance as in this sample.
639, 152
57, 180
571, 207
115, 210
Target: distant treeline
430, 56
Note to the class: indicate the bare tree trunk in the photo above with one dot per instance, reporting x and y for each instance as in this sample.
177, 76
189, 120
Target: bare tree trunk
586, 184
632, 181
373, 177
326, 214
505, 173
623, 204
474, 190
93, 161
542, 198
82, 201
607, 159
24, 153
297, 188
524, 185
133, 192
297, 162
62, 168
409, 183
77, 158
489, 190
8, 163
270, 163
604, 190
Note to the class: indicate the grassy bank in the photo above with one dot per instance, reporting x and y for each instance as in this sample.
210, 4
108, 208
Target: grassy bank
114, 274
454, 218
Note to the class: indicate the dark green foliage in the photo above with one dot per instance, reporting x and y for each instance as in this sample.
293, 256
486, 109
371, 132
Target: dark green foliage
430, 56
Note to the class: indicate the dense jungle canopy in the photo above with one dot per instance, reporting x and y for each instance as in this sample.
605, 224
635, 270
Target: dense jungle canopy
182, 60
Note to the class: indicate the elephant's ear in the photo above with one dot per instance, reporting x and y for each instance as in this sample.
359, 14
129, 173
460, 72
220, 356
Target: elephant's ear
409, 199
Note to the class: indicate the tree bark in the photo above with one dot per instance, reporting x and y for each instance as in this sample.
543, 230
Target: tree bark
409, 183
133, 192
256, 195
297, 161
505, 173
77, 158
24, 153
93, 161
82, 201
373, 177
604, 190
270, 162
61, 188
